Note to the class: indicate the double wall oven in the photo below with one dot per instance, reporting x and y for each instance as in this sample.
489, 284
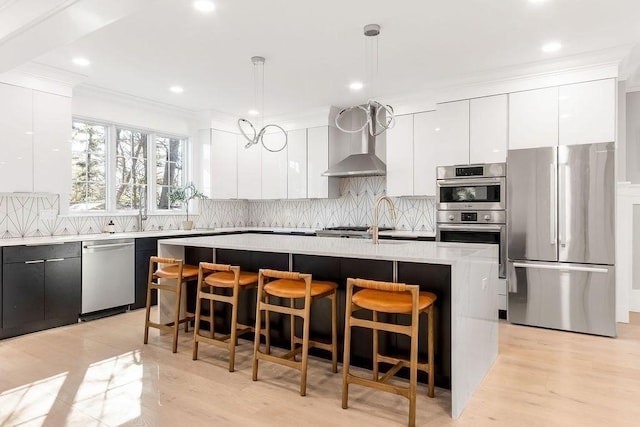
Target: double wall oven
470, 206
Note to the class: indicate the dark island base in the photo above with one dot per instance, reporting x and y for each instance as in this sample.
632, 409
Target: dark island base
435, 278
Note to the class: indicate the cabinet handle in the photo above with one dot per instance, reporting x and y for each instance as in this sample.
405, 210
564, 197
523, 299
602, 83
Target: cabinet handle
55, 259
45, 244
37, 261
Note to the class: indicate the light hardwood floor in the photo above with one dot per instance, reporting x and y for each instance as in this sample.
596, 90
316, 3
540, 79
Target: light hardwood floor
100, 373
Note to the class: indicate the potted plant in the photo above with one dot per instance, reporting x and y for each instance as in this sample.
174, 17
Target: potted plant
184, 195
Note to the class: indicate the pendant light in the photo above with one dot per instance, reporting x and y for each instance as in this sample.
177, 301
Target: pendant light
379, 117
247, 129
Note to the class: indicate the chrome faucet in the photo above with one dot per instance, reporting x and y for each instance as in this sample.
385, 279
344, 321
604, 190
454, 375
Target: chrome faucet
374, 226
142, 209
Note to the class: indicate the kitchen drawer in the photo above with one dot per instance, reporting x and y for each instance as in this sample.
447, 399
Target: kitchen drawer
502, 287
24, 253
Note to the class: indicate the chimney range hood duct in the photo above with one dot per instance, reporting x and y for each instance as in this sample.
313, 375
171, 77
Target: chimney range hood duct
365, 163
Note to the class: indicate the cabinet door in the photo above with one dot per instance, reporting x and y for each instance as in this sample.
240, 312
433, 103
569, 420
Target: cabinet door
51, 146
297, 164
588, 112
533, 118
22, 293
249, 171
318, 186
224, 165
424, 163
400, 157
274, 169
488, 129
16, 128
452, 133
62, 289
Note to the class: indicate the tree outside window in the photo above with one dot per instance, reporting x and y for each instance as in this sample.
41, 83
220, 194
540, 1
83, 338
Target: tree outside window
88, 166
131, 168
169, 168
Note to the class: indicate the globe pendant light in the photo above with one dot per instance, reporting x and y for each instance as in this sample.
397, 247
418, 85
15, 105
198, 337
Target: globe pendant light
247, 129
378, 116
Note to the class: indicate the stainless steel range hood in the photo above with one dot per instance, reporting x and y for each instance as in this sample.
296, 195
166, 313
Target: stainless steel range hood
365, 163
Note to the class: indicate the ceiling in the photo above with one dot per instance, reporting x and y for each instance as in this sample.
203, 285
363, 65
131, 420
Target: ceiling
314, 49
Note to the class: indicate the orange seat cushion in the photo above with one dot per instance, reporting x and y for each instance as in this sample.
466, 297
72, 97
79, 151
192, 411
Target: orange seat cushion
391, 302
287, 288
226, 279
171, 272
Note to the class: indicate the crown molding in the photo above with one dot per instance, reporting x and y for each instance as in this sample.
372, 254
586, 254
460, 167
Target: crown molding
94, 91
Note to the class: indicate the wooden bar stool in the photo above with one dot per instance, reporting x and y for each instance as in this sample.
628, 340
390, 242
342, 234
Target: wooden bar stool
226, 277
395, 298
293, 286
173, 270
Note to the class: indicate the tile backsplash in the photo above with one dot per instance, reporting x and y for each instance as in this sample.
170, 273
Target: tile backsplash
25, 214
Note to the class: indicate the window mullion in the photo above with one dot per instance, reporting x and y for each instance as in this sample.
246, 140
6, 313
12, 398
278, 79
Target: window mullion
151, 178
111, 175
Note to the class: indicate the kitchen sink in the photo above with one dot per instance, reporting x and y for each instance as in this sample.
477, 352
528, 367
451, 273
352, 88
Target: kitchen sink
392, 242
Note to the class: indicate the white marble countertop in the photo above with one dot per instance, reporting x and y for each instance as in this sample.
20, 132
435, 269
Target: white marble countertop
393, 250
43, 240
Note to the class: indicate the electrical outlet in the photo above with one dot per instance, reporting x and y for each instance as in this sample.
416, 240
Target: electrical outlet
48, 214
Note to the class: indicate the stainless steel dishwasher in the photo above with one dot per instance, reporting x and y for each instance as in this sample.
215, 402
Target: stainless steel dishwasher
108, 272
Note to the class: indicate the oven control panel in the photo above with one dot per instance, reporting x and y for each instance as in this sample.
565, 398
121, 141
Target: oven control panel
471, 217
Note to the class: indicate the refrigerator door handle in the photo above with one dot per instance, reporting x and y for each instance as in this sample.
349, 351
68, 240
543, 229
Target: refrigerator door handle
553, 197
562, 212
561, 267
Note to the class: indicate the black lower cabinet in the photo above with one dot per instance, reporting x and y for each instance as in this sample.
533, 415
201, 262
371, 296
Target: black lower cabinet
145, 249
41, 287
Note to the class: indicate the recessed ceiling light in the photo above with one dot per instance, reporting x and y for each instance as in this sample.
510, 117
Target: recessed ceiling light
83, 62
356, 86
205, 6
176, 89
551, 47
253, 112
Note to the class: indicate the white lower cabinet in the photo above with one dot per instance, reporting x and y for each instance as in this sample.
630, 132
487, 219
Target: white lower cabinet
224, 164
297, 164
249, 172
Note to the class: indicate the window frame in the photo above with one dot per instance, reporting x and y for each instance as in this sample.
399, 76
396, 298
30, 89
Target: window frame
111, 166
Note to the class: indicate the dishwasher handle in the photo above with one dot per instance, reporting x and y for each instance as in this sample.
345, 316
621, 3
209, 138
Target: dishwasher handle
109, 245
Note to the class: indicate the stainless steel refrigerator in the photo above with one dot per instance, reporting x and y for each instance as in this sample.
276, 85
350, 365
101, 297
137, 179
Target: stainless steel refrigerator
560, 237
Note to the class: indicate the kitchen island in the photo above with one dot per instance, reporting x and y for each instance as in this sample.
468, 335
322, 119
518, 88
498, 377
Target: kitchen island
464, 276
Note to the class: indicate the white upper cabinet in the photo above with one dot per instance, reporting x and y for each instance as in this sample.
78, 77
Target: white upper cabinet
224, 164
452, 133
488, 129
51, 144
424, 162
588, 112
318, 186
297, 164
274, 168
533, 118
249, 171
16, 131
400, 157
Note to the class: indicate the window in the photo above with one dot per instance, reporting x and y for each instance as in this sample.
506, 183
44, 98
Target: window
88, 165
169, 170
131, 168
113, 168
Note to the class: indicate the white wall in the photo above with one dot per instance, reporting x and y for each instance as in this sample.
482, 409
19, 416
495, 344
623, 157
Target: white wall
633, 138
